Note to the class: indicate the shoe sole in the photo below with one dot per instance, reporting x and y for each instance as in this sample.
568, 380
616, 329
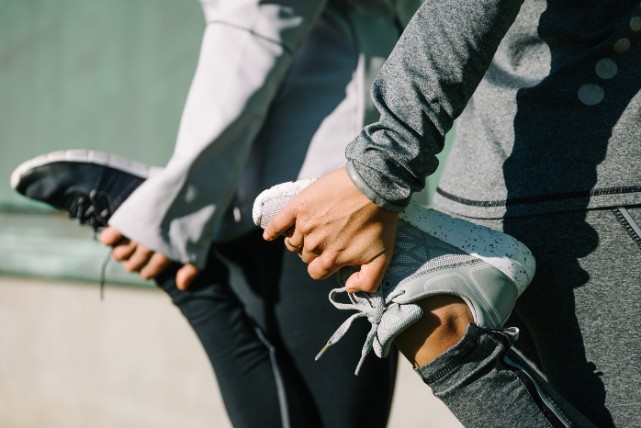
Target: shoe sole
80, 156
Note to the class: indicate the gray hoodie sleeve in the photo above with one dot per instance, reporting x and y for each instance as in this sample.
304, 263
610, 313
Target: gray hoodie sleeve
424, 85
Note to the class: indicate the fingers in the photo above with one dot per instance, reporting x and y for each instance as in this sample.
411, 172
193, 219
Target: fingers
138, 259
110, 236
124, 251
292, 245
369, 277
308, 249
280, 224
185, 275
322, 267
154, 267
123, 248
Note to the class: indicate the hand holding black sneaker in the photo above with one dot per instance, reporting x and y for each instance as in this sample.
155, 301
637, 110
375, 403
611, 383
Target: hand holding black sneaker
90, 186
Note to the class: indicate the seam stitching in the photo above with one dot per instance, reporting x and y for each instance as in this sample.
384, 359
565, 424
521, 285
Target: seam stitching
539, 199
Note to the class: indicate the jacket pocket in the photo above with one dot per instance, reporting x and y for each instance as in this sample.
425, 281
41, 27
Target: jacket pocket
626, 219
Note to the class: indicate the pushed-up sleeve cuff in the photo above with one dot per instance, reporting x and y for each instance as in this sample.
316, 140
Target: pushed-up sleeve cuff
354, 174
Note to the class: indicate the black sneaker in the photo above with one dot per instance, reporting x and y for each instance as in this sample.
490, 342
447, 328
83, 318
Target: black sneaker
89, 185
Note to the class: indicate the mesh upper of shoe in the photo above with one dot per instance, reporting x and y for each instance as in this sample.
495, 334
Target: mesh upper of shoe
414, 252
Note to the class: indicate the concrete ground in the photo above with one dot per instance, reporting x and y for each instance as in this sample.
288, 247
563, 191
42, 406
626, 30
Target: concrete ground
69, 360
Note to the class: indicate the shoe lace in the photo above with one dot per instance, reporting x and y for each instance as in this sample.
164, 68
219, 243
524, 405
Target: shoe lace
368, 305
92, 210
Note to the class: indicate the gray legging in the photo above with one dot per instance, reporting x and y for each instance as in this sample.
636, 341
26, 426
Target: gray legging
267, 374
580, 327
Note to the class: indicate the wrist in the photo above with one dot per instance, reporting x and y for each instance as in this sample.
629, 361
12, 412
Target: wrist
369, 192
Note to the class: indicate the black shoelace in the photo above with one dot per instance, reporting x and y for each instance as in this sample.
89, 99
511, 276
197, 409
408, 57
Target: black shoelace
94, 211
103, 270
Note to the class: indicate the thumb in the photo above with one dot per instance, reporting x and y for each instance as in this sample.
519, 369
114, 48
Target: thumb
185, 275
369, 277
110, 236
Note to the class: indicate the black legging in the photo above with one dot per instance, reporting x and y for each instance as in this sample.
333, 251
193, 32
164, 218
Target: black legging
267, 371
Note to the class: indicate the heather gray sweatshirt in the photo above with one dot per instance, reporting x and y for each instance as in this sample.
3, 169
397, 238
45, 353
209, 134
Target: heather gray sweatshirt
549, 105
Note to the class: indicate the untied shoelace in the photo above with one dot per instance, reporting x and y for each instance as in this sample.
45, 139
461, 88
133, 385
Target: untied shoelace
368, 305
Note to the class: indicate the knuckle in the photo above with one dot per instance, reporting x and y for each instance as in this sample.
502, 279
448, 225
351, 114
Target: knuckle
307, 257
328, 261
312, 244
303, 225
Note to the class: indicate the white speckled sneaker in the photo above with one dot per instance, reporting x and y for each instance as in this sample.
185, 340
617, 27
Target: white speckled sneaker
434, 254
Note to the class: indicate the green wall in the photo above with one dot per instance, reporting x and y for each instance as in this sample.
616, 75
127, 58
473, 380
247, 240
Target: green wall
106, 75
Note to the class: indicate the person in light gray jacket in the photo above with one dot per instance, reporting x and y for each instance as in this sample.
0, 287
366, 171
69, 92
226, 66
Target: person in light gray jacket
280, 88
547, 96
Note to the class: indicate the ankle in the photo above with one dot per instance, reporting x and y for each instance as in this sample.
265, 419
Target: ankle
442, 326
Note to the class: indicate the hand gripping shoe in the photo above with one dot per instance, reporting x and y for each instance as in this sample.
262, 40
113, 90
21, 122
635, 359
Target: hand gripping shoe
434, 253
89, 185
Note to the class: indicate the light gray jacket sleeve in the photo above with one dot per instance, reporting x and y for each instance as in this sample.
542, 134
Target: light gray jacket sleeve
246, 51
424, 85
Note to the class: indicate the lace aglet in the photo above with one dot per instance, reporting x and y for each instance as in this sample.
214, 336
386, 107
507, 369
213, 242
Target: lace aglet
322, 351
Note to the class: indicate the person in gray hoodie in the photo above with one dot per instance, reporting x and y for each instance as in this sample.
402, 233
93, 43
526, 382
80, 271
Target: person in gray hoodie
548, 149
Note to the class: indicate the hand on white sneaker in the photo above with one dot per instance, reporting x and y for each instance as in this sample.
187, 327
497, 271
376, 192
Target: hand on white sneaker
138, 258
332, 224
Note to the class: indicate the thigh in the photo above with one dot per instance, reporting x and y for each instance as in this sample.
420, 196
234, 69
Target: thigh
581, 309
298, 319
240, 358
255, 268
254, 272
306, 319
